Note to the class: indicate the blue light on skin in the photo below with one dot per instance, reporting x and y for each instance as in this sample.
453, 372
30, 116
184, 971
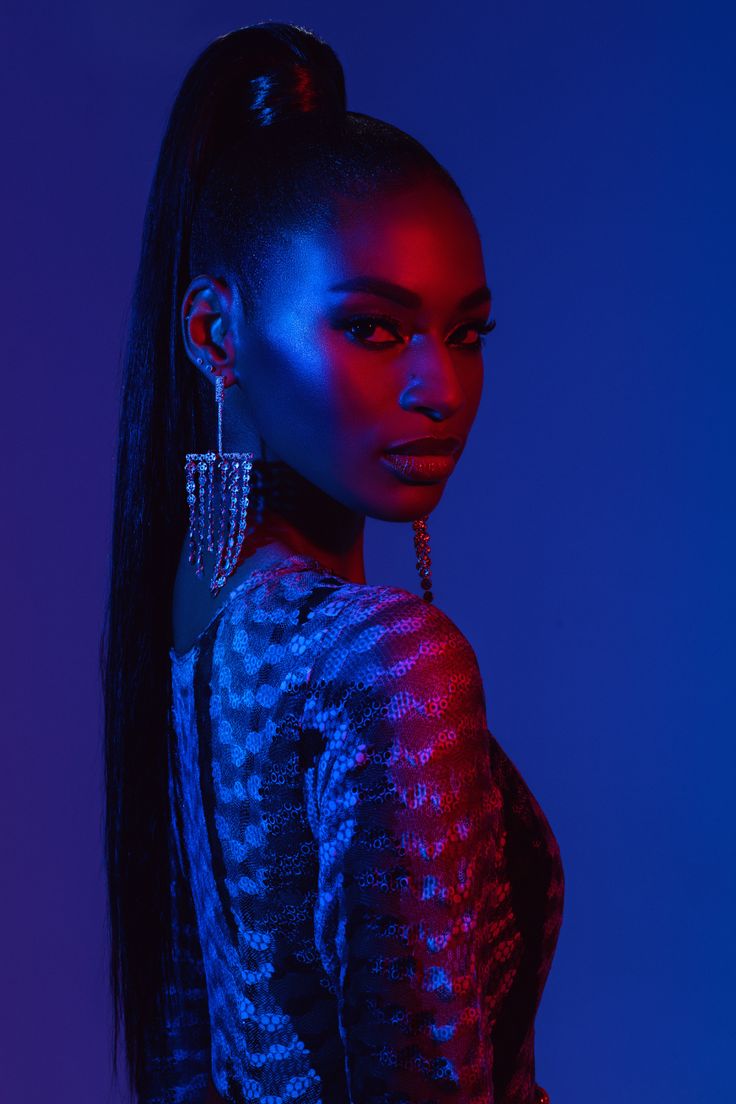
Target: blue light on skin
324, 397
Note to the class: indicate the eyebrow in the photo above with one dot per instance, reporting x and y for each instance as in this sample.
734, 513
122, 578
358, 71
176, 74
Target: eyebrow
388, 290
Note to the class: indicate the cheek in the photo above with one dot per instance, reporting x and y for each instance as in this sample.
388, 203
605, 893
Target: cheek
363, 393
317, 401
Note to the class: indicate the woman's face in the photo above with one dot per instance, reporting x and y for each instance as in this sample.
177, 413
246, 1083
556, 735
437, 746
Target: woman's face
335, 369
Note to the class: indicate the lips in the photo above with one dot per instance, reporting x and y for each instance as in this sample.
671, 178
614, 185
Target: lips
427, 446
414, 468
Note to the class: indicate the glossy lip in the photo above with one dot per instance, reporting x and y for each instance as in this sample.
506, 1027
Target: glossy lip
427, 446
431, 468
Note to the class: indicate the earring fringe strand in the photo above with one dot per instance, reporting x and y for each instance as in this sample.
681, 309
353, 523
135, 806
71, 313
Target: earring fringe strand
222, 476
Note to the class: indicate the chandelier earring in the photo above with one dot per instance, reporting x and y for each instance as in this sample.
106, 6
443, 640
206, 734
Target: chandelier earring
211, 478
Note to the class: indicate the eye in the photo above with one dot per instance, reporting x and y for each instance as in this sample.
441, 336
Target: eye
362, 326
480, 328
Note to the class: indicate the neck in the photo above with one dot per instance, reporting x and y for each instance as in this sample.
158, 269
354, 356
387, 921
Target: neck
289, 514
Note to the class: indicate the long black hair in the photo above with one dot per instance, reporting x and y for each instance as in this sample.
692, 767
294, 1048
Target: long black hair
259, 138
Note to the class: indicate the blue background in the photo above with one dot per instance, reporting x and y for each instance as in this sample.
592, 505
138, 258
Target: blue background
585, 544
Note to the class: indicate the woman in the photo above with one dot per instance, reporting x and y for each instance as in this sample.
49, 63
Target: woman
327, 881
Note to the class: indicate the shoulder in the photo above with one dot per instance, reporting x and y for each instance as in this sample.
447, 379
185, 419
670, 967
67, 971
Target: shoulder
397, 689
383, 619
385, 638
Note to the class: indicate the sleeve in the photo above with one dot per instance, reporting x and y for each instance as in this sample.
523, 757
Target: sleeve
405, 816
177, 1056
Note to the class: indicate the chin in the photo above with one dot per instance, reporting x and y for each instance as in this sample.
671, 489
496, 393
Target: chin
413, 501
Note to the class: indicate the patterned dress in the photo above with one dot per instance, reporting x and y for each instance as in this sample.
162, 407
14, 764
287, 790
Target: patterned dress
366, 895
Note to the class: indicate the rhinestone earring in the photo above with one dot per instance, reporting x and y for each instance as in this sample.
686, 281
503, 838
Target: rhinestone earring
424, 561
207, 475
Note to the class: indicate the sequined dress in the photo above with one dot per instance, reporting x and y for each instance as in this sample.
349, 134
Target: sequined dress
366, 896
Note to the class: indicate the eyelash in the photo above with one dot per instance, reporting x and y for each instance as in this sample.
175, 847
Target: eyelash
392, 324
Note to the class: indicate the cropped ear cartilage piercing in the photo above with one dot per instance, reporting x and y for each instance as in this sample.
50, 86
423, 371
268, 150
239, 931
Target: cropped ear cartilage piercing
209, 475
424, 561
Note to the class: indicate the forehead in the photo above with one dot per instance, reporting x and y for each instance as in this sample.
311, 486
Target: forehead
422, 237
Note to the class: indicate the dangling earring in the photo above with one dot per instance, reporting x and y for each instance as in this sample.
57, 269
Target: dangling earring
424, 562
229, 474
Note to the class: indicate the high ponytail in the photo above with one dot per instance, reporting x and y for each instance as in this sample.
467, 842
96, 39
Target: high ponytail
258, 134
248, 80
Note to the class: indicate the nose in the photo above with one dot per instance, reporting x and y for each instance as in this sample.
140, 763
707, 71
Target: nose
434, 386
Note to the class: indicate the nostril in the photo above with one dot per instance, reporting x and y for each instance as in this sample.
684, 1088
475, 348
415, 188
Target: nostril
437, 402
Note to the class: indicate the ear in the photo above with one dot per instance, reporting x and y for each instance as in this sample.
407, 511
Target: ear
207, 326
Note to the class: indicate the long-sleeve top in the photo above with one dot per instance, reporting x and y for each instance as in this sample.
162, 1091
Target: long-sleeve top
366, 895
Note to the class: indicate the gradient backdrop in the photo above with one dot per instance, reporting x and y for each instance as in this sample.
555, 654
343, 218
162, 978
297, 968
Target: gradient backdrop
585, 544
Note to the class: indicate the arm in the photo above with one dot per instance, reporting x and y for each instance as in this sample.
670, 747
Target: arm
177, 1059
404, 811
